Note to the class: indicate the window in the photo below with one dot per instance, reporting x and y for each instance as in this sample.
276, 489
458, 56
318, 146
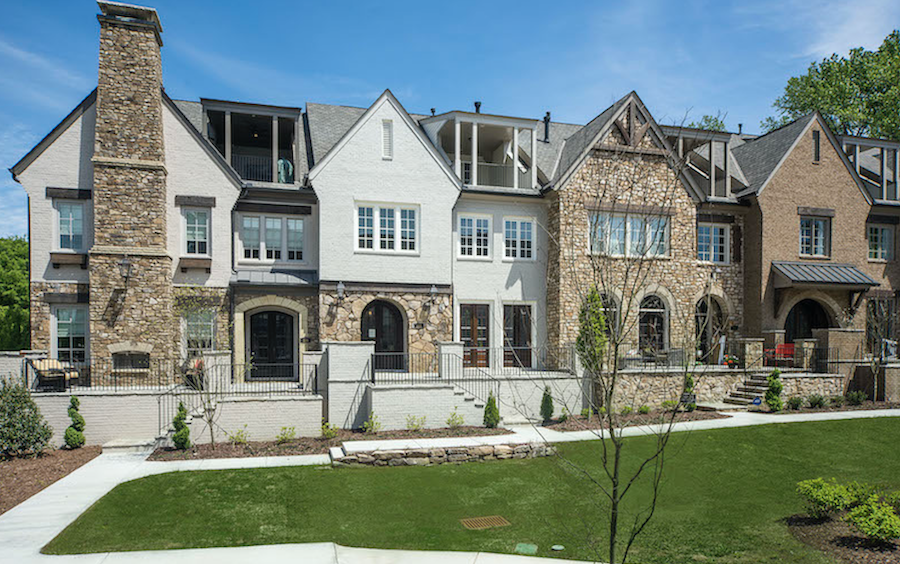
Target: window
517, 237
273, 238
881, 239
131, 361
294, 239
815, 235
817, 146
250, 237
385, 238
652, 329
196, 231
71, 334
474, 236
199, 332
71, 225
387, 139
630, 235
712, 242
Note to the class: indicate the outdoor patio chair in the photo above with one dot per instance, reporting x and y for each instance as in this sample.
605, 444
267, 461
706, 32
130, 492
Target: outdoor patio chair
52, 374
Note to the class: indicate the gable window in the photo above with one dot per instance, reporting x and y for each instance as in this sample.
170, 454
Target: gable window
272, 238
474, 236
71, 225
250, 237
630, 235
881, 239
294, 239
817, 145
199, 332
815, 236
71, 334
712, 243
385, 237
196, 231
518, 238
387, 139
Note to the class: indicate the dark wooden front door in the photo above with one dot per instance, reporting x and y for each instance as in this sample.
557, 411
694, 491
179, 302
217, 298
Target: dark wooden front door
517, 335
272, 345
382, 322
474, 334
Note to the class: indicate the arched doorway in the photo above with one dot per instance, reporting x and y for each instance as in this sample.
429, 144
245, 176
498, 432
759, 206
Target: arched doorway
271, 345
710, 327
382, 323
805, 316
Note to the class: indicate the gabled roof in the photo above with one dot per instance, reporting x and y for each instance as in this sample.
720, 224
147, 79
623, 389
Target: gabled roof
760, 157
579, 143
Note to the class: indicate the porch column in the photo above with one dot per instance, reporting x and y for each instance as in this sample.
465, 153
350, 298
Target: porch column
457, 162
804, 349
228, 137
753, 353
274, 148
725, 169
534, 159
712, 168
515, 148
450, 356
474, 154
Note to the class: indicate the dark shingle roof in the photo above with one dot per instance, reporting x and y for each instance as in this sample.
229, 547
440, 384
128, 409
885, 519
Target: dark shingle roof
823, 273
579, 141
759, 158
193, 111
548, 151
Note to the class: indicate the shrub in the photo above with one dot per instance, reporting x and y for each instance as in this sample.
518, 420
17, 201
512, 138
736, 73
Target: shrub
689, 389
329, 431
74, 436
875, 519
644, 409
455, 420
860, 492
773, 392
824, 498
893, 499
601, 410
669, 405
372, 425
23, 429
627, 410
815, 401
491, 412
587, 413
564, 416
286, 435
182, 437
414, 423
794, 403
239, 437
547, 405
857, 397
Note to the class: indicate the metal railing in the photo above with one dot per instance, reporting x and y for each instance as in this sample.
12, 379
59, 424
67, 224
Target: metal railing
252, 167
656, 359
495, 174
819, 360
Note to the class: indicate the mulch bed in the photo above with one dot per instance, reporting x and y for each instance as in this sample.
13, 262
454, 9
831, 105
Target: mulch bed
21, 478
580, 423
839, 540
865, 406
310, 445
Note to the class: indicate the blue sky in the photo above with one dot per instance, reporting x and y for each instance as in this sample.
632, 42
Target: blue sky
684, 59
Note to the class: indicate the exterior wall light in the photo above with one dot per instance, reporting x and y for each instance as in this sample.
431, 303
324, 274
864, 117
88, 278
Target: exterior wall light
340, 291
125, 267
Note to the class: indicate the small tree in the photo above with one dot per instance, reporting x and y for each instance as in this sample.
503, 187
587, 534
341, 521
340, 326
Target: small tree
182, 436
547, 405
773, 392
491, 412
23, 429
75, 432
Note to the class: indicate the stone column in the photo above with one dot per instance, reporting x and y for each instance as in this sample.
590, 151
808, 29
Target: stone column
804, 352
753, 352
772, 338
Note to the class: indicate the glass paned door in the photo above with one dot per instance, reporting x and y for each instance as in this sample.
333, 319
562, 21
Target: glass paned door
474, 334
272, 345
517, 335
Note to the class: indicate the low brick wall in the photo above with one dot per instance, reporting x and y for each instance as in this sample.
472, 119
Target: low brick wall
107, 416
434, 456
264, 417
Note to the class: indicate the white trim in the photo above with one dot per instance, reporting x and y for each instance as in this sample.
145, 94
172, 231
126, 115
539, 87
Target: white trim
627, 238
54, 352
262, 260
490, 238
376, 228
713, 225
891, 241
519, 220
184, 242
86, 220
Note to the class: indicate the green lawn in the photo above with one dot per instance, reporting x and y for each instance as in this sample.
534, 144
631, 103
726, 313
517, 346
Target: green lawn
724, 499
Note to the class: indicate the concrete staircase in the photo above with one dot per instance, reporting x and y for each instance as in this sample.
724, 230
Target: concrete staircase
753, 387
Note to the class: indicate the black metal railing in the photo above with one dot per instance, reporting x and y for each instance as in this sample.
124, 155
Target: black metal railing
819, 360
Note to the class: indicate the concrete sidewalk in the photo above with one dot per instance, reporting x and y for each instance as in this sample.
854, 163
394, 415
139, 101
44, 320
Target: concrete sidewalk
26, 528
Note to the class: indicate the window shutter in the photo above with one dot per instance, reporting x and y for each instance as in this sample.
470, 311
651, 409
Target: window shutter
387, 134
736, 243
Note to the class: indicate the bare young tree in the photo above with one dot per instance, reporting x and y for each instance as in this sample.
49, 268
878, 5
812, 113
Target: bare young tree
881, 340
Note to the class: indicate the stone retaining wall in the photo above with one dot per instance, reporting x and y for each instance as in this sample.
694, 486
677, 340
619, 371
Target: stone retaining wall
434, 456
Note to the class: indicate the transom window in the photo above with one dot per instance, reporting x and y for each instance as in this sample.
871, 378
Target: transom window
630, 235
196, 236
71, 225
386, 237
518, 238
199, 332
277, 239
815, 236
712, 242
71, 334
881, 239
474, 236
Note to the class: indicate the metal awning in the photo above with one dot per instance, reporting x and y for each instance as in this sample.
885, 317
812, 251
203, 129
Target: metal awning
806, 274
274, 278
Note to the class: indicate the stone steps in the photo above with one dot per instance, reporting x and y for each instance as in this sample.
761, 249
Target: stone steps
750, 389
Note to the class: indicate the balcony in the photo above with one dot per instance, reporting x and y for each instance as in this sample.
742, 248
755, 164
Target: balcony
494, 174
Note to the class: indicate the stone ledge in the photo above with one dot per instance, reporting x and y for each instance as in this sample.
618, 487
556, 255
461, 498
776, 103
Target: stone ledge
435, 456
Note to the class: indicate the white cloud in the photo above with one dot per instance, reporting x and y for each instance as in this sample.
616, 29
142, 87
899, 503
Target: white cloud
38, 81
42, 65
841, 26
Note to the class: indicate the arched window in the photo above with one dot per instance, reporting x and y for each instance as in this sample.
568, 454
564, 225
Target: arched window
653, 331
710, 326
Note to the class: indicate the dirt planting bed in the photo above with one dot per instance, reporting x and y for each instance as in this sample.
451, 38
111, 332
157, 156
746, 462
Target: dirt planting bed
21, 478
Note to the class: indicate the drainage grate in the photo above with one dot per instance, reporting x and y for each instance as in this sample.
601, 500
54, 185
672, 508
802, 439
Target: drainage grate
479, 523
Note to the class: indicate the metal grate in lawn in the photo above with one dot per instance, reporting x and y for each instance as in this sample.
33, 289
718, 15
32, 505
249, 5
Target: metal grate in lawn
481, 523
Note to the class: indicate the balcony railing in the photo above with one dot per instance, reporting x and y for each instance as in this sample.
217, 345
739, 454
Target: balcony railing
495, 174
252, 167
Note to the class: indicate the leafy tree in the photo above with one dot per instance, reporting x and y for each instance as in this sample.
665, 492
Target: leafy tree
858, 94
710, 123
13, 293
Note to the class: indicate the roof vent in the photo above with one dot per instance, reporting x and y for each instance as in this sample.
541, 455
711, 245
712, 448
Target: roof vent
477, 107
432, 111
740, 128
547, 128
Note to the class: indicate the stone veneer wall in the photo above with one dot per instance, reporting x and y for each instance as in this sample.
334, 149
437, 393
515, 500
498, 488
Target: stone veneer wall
341, 320
41, 315
192, 298
434, 456
310, 301
805, 385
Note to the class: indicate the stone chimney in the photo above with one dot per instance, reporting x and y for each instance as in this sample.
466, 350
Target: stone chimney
133, 304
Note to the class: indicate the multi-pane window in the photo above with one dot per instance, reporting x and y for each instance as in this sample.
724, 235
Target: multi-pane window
250, 237
199, 332
274, 238
712, 243
815, 235
71, 225
386, 233
630, 235
71, 334
407, 230
518, 239
196, 232
881, 239
294, 239
385, 237
474, 236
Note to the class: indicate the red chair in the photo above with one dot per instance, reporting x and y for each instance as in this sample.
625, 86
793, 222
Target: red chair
782, 355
